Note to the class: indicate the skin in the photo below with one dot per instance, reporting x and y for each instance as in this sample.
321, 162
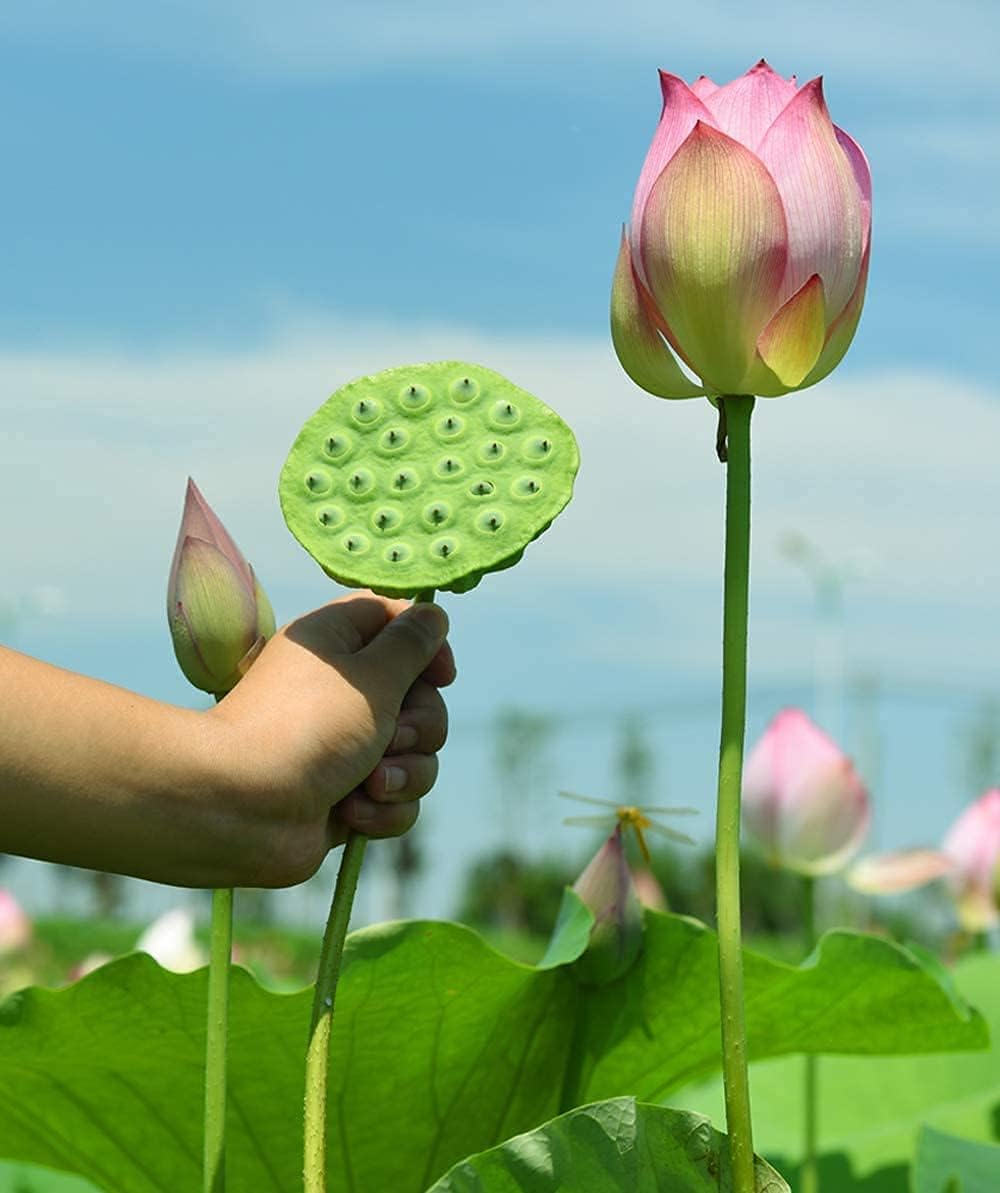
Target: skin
336, 726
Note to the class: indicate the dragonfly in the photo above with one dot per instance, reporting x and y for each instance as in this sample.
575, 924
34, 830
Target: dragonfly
630, 816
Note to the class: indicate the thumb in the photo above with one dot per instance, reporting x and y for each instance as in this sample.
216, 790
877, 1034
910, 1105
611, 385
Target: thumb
400, 653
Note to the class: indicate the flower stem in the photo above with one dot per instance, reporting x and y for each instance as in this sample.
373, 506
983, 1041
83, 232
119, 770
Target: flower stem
321, 1024
809, 1176
736, 412
220, 954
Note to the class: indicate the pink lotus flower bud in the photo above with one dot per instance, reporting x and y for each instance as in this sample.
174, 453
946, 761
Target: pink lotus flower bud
170, 941
747, 253
802, 799
607, 889
15, 927
973, 845
219, 615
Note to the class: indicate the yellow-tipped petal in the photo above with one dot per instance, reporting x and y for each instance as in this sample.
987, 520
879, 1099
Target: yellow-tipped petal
638, 343
714, 245
791, 343
841, 333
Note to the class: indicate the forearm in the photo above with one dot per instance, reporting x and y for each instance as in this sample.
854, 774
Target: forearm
96, 776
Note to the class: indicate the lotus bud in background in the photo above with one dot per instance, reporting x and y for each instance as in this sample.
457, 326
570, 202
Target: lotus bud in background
170, 941
973, 845
219, 615
747, 254
803, 802
897, 872
15, 927
616, 937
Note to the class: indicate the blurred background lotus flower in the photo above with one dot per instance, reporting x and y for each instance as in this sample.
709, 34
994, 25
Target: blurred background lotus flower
973, 845
803, 802
607, 889
15, 927
747, 253
899, 871
170, 941
219, 615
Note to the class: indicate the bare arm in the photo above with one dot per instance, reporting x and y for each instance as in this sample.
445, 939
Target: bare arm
336, 725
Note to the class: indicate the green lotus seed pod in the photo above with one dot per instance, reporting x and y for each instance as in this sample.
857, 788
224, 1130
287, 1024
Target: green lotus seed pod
426, 477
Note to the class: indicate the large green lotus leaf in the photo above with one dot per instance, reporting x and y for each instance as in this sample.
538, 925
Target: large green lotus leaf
605, 1148
441, 1048
947, 1164
31, 1178
871, 1111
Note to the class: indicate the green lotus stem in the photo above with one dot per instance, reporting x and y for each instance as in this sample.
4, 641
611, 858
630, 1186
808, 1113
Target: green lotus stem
809, 1175
321, 1024
216, 1036
734, 448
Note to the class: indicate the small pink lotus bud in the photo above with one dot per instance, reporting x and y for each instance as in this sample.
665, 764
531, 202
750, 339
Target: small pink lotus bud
973, 845
170, 941
747, 254
15, 927
219, 615
607, 889
802, 799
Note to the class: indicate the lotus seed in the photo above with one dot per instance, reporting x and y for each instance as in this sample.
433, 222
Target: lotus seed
386, 519
444, 548
450, 466
394, 439
405, 480
356, 544
482, 488
492, 451
318, 482
437, 513
490, 521
336, 446
526, 486
537, 449
463, 390
414, 398
330, 516
397, 553
451, 427
366, 411
504, 414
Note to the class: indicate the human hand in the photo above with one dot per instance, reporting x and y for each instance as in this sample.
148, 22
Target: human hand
336, 726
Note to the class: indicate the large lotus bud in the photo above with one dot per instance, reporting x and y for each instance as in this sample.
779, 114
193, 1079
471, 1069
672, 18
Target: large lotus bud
973, 845
747, 253
802, 799
219, 615
607, 889
15, 927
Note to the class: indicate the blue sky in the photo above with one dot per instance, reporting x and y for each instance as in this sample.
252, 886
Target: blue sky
214, 214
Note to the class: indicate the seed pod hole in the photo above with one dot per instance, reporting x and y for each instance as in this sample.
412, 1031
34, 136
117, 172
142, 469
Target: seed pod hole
444, 548
386, 519
450, 427
482, 488
490, 521
537, 448
394, 439
360, 483
405, 480
449, 467
355, 544
504, 414
336, 446
526, 486
464, 389
330, 516
366, 411
414, 398
318, 482
397, 553
492, 451
437, 513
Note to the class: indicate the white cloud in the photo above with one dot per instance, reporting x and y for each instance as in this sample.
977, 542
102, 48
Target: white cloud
855, 37
896, 468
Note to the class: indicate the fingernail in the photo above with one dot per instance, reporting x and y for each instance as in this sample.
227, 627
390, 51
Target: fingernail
364, 809
432, 617
395, 778
404, 739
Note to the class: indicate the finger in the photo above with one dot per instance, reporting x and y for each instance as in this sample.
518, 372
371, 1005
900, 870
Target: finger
422, 725
402, 778
360, 814
401, 652
441, 671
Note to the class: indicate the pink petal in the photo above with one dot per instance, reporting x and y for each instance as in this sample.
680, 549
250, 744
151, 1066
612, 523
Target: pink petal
199, 521
791, 343
973, 844
821, 197
862, 176
638, 343
703, 87
747, 107
841, 331
893, 873
713, 248
682, 110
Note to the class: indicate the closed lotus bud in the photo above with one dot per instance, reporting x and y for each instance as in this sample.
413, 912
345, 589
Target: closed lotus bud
15, 927
973, 845
616, 937
747, 253
802, 799
219, 615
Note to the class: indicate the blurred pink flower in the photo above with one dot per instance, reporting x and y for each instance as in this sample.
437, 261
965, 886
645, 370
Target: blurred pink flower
607, 889
170, 941
973, 845
898, 871
15, 927
219, 615
747, 253
802, 799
